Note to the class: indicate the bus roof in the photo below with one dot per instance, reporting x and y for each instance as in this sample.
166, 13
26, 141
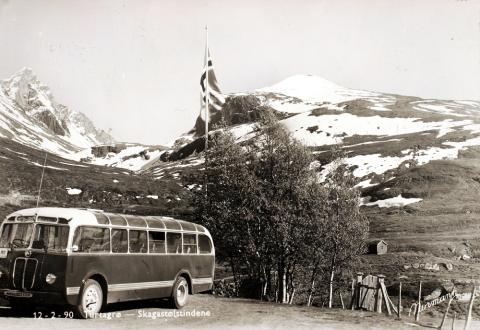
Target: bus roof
78, 217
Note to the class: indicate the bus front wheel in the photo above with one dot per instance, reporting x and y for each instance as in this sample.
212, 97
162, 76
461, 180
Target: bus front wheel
91, 300
180, 292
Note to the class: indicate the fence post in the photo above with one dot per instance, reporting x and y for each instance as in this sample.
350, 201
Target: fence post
419, 306
470, 306
357, 289
379, 293
352, 300
386, 298
399, 308
446, 312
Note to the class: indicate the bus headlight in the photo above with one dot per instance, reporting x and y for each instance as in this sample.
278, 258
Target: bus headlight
50, 279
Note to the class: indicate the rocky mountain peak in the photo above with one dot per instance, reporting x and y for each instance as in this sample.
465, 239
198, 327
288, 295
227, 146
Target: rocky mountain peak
33, 116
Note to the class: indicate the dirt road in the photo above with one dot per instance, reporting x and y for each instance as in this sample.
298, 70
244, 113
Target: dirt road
206, 311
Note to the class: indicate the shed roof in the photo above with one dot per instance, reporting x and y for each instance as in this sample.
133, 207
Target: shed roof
376, 241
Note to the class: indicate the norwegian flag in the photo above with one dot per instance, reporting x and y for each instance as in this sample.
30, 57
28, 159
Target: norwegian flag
215, 97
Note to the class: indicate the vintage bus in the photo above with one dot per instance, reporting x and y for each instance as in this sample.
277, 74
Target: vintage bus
89, 258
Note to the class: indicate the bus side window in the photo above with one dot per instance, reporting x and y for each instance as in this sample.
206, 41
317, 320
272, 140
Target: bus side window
204, 244
92, 239
190, 243
174, 243
156, 241
138, 241
119, 241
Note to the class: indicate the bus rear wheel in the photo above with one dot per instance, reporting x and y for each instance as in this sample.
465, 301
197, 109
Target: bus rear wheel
180, 292
91, 300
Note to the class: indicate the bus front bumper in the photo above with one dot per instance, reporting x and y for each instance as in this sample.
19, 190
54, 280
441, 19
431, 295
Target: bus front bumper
37, 297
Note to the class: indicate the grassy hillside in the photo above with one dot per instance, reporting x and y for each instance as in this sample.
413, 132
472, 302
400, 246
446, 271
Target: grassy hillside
102, 187
443, 229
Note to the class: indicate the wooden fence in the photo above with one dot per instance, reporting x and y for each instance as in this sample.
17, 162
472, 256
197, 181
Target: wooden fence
370, 293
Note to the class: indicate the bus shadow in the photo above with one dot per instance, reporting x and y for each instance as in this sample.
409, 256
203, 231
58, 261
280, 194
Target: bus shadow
139, 304
62, 312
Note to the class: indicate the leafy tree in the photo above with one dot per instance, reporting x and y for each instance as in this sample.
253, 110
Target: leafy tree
347, 227
270, 217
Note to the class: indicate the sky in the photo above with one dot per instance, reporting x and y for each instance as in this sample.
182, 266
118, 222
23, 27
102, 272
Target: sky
134, 66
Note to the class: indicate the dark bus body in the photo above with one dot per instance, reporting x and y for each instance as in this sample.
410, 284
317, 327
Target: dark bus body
88, 258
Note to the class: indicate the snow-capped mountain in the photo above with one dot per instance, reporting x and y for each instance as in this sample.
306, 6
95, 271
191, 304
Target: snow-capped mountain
30, 115
310, 92
380, 132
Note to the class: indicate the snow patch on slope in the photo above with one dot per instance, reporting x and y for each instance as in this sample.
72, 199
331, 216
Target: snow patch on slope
73, 191
331, 129
129, 158
375, 163
397, 201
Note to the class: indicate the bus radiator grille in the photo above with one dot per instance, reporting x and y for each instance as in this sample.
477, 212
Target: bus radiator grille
24, 273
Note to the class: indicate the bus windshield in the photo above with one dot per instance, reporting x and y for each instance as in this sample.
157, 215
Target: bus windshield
50, 237
17, 235
45, 236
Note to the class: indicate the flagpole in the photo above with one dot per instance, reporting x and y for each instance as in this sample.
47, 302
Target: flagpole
207, 96
41, 180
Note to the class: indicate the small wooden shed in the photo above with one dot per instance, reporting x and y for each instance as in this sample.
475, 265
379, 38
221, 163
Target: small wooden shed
378, 246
